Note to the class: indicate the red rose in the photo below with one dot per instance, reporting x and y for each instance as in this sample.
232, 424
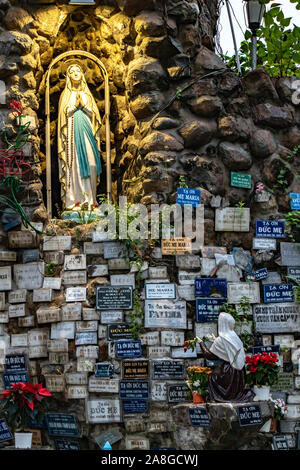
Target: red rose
16, 108
77, 204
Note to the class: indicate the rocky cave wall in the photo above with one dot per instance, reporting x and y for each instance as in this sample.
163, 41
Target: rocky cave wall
167, 121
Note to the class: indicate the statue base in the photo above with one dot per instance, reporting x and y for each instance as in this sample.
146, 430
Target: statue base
82, 217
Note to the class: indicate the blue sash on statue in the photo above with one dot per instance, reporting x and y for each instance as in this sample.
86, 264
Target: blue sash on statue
83, 127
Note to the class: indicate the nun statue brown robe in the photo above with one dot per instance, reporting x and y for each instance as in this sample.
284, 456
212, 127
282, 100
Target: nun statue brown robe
226, 384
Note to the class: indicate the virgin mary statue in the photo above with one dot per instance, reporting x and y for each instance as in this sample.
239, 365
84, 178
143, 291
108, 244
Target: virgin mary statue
78, 141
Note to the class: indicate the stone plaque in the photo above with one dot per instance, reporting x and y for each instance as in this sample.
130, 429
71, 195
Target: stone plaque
210, 251
98, 270
73, 278
71, 312
111, 317
113, 298
26, 322
76, 294
135, 369
18, 310
59, 358
85, 365
159, 391
158, 272
186, 293
290, 254
160, 291
188, 261
277, 318
100, 385
48, 315
264, 244
90, 337
91, 248
30, 256
2, 301
237, 290
57, 345
137, 443
176, 246
76, 378
178, 353
165, 314
232, 219
186, 278
285, 381
204, 329
118, 264
17, 296
286, 341
8, 256
21, 239
42, 295
103, 410
150, 339
111, 435
167, 369
159, 351
29, 276
294, 272
77, 392
63, 243
52, 283
122, 280
19, 340
114, 250
172, 338
63, 330
208, 265
278, 293
5, 278
55, 383
90, 314
86, 325
74, 262
3, 317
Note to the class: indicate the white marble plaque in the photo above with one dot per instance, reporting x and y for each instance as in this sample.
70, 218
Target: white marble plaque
48, 315
185, 278
29, 276
17, 296
207, 266
90, 314
74, 262
85, 365
290, 254
172, 338
21, 239
91, 248
8, 256
63, 330
38, 337
37, 351
87, 352
155, 352
86, 325
264, 244
57, 243
118, 264
19, 340
18, 310
59, 358
42, 295
293, 412
111, 316
158, 272
76, 378
179, 353
286, 341
277, 318
137, 443
71, 312
100, 385
186, 293
55, 383
160, 291
232, 219
73, 278
103, 410
237, 290
26, 322
76, 294
205, 329
102, 332
57, 345
5, 278
100, 236
2, 301
77, 392
158, 391
52, 283
165, 314
114, 250
273, 277
98, 270
150, 339
122, 280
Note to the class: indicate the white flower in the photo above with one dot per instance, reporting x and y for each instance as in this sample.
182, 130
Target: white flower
197, 383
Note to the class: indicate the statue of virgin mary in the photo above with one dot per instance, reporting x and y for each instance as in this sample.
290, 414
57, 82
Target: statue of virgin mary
78, 141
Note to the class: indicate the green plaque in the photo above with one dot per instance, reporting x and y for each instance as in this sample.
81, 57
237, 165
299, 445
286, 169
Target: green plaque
240, 180
285, 382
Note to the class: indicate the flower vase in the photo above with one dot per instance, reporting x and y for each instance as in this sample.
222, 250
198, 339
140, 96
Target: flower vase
262, 392
23, 440
197, 398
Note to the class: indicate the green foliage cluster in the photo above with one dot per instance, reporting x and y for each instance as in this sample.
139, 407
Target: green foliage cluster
240, 311
278, 45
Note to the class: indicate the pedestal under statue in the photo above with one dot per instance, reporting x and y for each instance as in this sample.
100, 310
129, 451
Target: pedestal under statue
78, 141
227, 382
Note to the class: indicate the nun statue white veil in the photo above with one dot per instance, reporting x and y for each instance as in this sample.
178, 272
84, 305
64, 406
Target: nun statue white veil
78, 140
228, 345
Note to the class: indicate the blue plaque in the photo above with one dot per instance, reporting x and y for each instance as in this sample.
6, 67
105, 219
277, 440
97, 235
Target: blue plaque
268, 349
270, 228
128, 348
134, 389
257, 275
65, 444
34, 424
205, 287
188, 197
278, 293
15, 363
134, 406
249, 415
14, 378
5, 434
104, 369
30, 256
208, 308
61, 424
199, 417
295, 201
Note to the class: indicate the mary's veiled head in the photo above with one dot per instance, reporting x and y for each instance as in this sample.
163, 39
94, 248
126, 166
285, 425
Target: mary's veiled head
226, 323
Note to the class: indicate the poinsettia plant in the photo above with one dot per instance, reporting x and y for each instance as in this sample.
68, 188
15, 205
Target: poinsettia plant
262, 369
24, 402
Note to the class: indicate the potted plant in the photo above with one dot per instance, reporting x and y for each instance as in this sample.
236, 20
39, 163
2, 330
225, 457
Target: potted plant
280, 409
198, 382
22, 403
262, 373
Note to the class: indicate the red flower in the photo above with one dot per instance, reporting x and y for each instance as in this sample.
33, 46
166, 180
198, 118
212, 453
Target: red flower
95, 205
77, 204
16, 108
